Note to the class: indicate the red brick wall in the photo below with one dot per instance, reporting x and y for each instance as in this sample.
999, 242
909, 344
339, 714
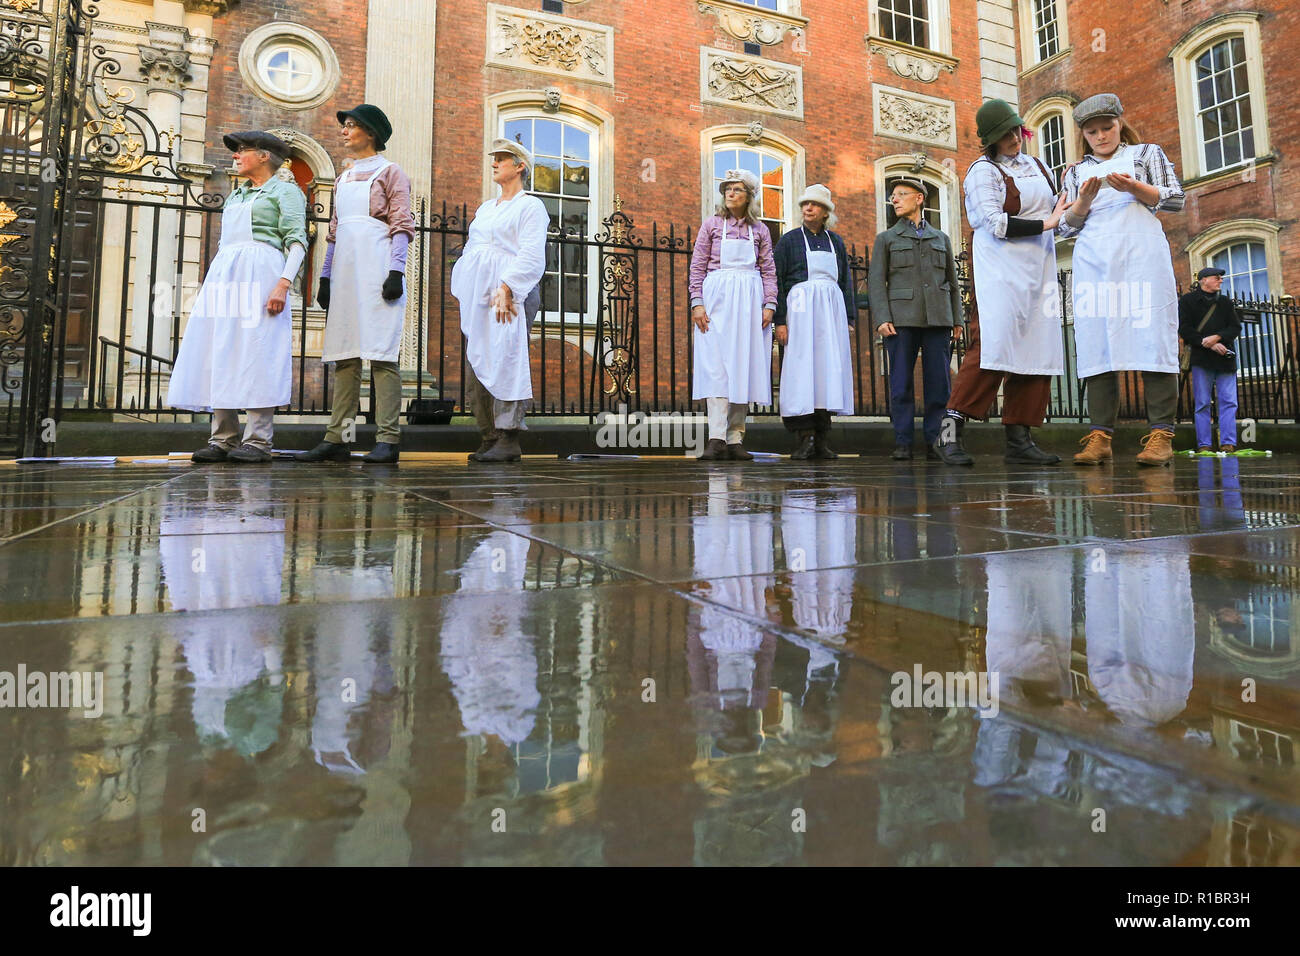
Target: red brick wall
233, 105
1136, 65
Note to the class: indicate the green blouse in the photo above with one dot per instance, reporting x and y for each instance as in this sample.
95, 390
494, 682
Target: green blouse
280, 213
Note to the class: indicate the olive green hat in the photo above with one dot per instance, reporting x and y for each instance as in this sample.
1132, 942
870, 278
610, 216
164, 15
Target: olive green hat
994, 120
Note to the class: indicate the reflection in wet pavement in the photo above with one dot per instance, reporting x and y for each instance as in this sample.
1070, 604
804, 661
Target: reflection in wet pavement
653, 663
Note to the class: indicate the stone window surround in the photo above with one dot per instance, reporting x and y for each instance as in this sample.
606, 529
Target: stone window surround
1183, 57
739, 137
940, 29
514, 104
752, 24
1230, 232
250, 52
1029, 37
1043, 110
934, 173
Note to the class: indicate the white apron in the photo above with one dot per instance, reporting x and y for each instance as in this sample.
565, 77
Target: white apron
820, 539
1125, 297
496, 351
817, 371
734, 358
1017, 291
360, 323
234, 353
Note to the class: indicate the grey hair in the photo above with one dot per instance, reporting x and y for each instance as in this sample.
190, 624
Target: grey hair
721, 208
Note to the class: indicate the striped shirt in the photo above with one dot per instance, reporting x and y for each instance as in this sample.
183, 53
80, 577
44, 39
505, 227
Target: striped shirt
1150, 165
986, 192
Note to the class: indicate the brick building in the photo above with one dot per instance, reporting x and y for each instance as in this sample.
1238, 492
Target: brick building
630, 104
1197, 77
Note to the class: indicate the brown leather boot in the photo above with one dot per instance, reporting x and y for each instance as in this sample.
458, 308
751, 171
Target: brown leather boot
1157, 448
1096, 448
1228, 449
489, 439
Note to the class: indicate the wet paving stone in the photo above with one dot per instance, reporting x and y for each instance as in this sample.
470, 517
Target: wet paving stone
655, 663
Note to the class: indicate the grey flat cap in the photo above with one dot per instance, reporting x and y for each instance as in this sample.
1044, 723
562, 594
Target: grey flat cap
1103, 104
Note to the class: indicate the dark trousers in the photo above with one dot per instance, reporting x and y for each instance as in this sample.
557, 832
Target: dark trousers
934, 344
818, 421
1024, 397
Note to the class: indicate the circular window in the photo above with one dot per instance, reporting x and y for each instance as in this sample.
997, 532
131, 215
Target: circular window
289, 65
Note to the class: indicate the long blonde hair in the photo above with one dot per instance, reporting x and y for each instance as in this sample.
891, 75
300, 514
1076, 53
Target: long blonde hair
1127, 135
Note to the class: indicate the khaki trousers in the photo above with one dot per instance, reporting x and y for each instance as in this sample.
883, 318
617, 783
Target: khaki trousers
347, 400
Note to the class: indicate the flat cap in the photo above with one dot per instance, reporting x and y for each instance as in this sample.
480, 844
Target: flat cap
514, 149
1209, 271
912, 182
1103, 104
258, 139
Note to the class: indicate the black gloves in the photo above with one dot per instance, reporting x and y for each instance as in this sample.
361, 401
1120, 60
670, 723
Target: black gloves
1016, 228
393, 286
323, 294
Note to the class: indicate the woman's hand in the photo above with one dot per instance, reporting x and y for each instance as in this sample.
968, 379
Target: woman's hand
699, 318
503, 303
279, 295
1087, 193
1123, 182
1054, 220
767, 317
782, 334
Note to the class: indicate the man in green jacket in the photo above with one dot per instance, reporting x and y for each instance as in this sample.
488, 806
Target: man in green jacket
916, 307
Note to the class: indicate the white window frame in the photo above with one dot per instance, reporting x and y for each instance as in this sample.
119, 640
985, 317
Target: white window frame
772, 143
1026, 14
599, 124
1184, 55
901, 164
939, 17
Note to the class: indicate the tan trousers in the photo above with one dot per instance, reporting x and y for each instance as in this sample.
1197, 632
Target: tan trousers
257, 432
347, 399
726, 420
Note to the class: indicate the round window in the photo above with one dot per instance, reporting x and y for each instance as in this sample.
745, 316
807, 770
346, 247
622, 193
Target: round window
289, 65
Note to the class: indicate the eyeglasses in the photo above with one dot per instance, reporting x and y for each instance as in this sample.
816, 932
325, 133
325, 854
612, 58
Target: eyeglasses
348, 124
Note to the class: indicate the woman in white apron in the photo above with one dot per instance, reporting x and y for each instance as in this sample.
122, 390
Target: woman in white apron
504, 258
733, 300
237, 351
1015, 334
1125, 296
362, 288
815, 311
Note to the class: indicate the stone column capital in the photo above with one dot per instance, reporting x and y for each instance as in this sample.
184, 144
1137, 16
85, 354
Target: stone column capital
167, 71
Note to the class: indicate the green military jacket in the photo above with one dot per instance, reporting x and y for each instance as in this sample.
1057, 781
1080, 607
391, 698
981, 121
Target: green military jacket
913, 281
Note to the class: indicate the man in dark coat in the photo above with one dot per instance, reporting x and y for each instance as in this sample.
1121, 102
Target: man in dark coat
916, 307
1208, 326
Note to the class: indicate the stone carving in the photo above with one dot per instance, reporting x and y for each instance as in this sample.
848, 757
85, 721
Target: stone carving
755, 135
550, 44
915, 118
752, 83
552, 104
752, 25
910, 65
165, 69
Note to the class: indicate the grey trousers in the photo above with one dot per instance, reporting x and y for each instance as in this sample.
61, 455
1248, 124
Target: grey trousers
257, 431
1160, 388
493, 416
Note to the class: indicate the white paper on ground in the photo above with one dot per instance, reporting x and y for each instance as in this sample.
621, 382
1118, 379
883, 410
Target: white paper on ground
1116, 164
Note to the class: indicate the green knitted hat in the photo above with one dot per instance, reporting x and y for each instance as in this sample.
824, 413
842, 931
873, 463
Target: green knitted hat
994, 120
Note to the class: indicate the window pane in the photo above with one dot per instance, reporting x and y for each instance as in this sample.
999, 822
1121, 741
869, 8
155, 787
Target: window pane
547, 137
771, 164
1213, 155
577, 143
520, 131
546, 175
723, 160
772, 204
1257, 258
750, 161
577, 179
